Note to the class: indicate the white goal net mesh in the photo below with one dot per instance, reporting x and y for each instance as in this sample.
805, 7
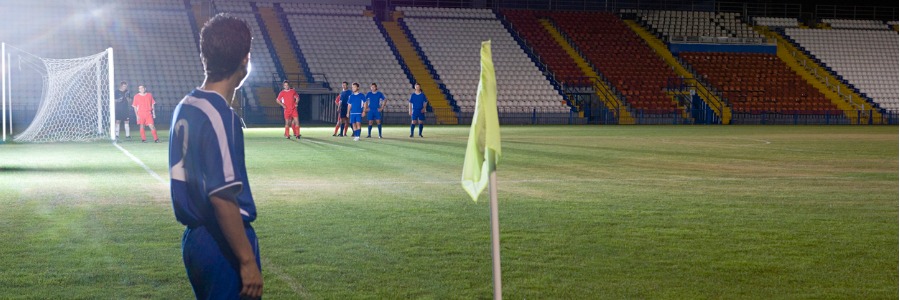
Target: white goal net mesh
75, 100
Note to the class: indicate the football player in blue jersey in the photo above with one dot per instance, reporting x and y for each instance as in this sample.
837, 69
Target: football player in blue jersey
374, 107
209, 187
417, 104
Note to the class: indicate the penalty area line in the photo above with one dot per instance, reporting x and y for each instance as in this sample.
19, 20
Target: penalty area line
140, 163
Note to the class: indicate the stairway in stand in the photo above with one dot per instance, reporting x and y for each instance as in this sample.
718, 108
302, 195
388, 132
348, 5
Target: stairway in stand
442, 109
282, 44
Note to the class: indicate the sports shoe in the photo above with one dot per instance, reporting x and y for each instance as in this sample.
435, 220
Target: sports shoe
340, 135
128, 138
299, 135
421, 136
379, 136
156, 141
287, 137
368, 136
334, 134
143, 141
356, 139
410, 135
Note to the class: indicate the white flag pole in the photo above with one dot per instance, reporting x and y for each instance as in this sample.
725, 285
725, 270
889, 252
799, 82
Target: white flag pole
495, 235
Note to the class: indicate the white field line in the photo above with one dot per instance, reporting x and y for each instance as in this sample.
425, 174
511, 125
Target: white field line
140, 163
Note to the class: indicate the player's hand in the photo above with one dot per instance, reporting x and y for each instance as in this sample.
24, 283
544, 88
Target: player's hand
252, 280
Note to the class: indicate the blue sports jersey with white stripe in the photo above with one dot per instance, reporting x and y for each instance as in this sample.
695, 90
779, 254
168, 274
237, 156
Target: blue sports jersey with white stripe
356, 103
206, 157
374, 100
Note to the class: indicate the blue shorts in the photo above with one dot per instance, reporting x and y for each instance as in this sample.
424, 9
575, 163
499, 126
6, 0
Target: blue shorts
418, 115
374, 115
211, 266
355, 118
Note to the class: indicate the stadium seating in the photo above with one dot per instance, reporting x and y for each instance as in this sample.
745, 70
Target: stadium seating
776, 22
260, 56
451, 39
347, 46
867, 59
758, 83
551, 53
152, 46
619, 54
689, 25
855, 24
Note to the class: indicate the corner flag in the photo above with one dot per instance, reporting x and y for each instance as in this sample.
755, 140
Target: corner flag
483, 151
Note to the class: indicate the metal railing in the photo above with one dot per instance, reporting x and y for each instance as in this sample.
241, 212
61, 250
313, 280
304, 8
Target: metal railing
720, 40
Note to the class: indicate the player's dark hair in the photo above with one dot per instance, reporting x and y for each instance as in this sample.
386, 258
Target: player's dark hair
121, 83
224, 43
356, 84
288, 83
375, 85
344, 82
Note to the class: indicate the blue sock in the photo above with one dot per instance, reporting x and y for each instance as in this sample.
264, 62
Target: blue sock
412, 129
379, 129
342, 129
370, 130
358, 132
420, 128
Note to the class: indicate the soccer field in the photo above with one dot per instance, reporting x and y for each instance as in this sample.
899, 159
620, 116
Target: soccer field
646, 212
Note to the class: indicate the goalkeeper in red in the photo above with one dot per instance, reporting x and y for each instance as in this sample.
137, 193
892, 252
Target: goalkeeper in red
288, 99
144, 108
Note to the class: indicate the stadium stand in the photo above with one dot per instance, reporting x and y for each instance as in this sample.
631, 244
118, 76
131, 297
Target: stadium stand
855, 24
347, 46
690, 25
776, 22
261, 57
153, 42
450, 38
872, 69
621, 56
526, 23
758, 83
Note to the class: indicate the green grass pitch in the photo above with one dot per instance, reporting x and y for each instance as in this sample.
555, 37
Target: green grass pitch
641, 212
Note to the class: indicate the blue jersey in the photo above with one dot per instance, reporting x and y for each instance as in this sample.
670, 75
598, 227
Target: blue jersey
345, 95
418, 101
206, 157
356, 103
374, 100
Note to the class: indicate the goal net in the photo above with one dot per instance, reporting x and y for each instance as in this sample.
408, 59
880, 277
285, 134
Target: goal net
76, 98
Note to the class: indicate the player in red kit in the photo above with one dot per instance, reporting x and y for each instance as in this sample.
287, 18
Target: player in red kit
288, 99
144, 108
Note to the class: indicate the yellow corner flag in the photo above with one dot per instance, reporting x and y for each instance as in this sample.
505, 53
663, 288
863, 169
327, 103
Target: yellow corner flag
483, 151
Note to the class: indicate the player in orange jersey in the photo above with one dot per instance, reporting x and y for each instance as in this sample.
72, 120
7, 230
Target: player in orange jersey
145, 109
288, 99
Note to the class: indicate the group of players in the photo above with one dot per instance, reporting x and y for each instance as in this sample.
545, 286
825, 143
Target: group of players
142, 106
353, 106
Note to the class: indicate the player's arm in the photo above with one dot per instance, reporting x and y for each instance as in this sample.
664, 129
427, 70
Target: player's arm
410, 109
381, 107
424, 104
228, 215
296, 100
349, 107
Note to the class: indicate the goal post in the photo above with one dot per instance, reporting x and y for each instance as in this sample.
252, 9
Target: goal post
112, 93
76, 100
